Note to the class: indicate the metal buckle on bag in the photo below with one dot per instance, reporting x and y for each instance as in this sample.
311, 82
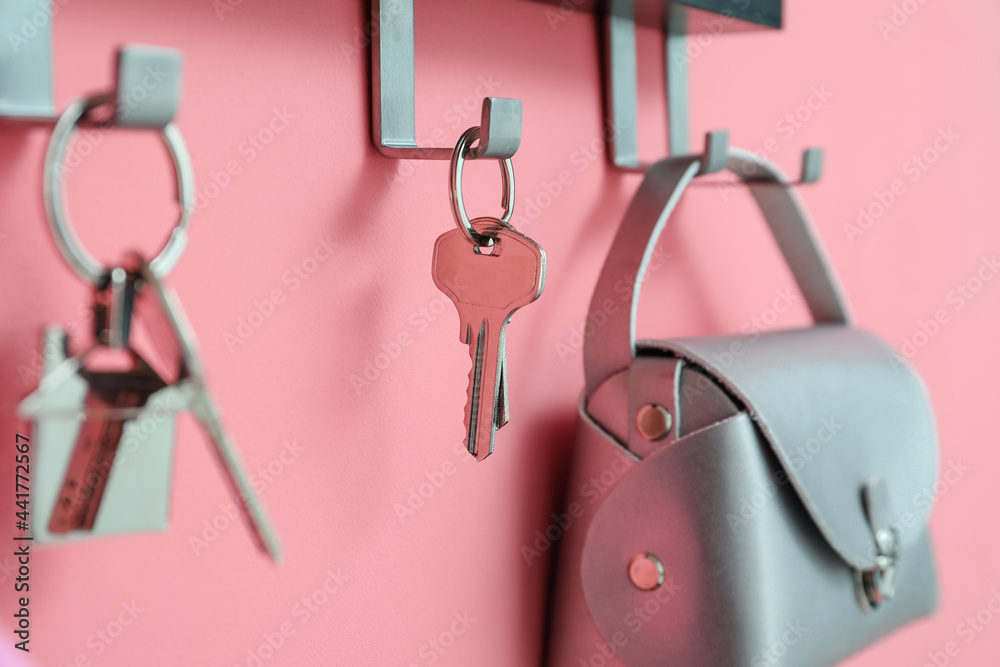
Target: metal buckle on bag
877, 585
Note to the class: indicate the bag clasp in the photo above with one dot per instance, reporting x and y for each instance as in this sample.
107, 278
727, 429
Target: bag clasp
877, 585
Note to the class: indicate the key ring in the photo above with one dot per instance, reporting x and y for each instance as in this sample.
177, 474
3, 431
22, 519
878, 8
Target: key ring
457, 200
81, 261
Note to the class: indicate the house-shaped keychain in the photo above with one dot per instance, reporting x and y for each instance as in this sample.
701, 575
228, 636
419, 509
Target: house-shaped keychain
80, 442
104, 420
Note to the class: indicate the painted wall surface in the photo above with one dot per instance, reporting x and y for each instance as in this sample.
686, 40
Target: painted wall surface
346, 399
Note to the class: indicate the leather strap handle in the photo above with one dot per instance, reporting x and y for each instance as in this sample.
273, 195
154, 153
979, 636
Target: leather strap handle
611, 347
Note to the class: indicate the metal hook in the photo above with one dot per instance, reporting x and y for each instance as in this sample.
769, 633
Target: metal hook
812, 165
148, 78
621, 83
394, 95
811, 169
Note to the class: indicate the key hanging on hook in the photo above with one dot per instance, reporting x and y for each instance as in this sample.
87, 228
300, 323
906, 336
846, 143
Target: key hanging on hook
489, 270
104, 419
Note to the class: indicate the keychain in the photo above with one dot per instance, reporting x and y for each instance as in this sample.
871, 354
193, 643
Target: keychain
104, 419
489, 270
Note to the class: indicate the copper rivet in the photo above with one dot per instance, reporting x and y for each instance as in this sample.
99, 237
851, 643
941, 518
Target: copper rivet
653, 422
646, 572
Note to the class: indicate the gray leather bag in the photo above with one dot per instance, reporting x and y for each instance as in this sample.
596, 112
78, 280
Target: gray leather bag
752, 500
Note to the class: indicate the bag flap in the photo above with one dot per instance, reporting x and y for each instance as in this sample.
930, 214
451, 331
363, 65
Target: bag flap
840, 409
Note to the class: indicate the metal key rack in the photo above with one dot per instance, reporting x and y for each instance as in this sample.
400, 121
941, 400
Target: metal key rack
147, 80
394, 90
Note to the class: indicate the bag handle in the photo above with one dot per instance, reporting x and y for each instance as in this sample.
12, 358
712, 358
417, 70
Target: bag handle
611, 347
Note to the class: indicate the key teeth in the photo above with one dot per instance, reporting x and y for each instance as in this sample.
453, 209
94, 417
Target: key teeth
468, 413
479, 455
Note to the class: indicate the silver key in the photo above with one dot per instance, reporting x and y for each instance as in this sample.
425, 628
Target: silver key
487, 285
159, 309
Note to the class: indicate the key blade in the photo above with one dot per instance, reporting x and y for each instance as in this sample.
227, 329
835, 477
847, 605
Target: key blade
503, 408
205, 411
481, 403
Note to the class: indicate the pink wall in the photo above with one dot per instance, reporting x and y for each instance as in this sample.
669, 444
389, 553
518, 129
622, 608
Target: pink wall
361, 451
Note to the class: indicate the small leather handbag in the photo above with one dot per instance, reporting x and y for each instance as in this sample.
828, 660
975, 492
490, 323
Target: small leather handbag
741, 500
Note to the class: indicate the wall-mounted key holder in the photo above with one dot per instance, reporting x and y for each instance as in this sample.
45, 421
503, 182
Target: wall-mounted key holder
104, 419
394, 95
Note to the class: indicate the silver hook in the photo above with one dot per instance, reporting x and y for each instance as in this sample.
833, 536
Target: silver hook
394, 95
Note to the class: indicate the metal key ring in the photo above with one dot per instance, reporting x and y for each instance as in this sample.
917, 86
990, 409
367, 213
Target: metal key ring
457, 200
81, 261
